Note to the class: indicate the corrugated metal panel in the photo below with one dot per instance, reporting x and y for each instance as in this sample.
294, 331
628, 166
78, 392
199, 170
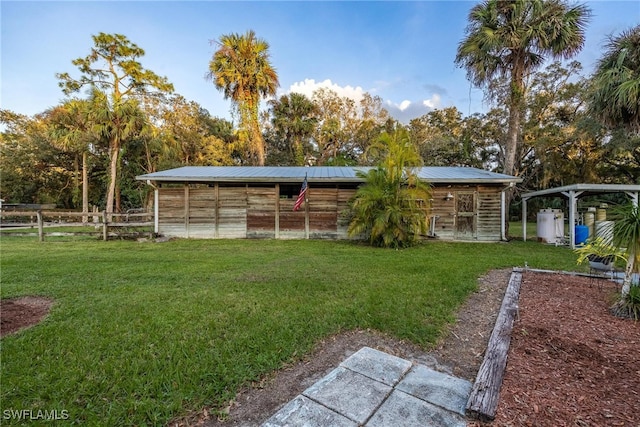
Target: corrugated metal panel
585, 188
432, 174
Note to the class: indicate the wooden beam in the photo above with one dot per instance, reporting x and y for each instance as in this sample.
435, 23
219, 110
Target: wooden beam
277, 213
483, 401
186, 210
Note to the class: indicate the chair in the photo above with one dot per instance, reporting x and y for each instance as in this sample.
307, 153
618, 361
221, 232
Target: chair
599, 266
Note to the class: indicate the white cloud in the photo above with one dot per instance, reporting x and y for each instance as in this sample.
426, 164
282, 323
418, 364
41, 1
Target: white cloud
432, 103
308, 86
403, 112
407, 110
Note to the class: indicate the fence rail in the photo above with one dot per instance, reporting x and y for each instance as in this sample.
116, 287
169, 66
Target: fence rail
111, 224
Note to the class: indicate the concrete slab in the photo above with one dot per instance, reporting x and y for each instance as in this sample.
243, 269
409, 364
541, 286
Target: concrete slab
435, 387
304, 412
349, 393
377, 365
402, 409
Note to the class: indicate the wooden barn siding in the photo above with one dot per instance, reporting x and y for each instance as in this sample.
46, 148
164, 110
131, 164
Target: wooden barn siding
201, 212
261, 212
232, 212
344, 195
258, 212
253, 212
171, 212
292, 225
489, 214
487, 199
323, 213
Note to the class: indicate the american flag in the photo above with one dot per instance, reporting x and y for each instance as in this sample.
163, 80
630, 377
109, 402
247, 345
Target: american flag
301, 196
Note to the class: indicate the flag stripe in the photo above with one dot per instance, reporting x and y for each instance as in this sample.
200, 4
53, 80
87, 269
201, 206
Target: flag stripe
301, 196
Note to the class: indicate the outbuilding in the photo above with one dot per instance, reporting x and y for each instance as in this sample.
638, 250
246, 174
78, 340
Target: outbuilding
572, 194
258, 202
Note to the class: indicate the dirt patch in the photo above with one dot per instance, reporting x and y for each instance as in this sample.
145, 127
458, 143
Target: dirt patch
460, 353
571, 363
20, 313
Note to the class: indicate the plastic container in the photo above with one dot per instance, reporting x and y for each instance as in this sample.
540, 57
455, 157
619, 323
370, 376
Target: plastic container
581, 234
550, 225
590, 220
604, 230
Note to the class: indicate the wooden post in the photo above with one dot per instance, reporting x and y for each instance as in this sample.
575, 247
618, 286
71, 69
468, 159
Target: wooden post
483, 401
277, 213
186, 210
105, 230
40, 226
306, 212
217, 210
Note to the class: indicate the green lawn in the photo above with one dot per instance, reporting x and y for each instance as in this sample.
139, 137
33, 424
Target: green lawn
144, 332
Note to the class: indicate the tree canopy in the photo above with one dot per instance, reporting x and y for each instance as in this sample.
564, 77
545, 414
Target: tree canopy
241, 68
616, 82
513, 38
117, 81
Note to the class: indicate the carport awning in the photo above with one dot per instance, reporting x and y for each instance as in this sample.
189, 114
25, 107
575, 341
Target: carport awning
573, 193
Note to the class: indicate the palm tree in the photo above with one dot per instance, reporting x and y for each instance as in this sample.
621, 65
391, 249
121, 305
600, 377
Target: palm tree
116, 79
294, 121
626, 235
241, 69
391, 209
115, 122
71, 130
513, 38
615, 97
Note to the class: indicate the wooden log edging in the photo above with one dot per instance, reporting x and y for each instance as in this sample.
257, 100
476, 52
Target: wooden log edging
485, 393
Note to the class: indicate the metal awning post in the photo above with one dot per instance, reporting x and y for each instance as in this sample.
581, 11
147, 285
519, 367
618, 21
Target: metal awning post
524, 219
573, 209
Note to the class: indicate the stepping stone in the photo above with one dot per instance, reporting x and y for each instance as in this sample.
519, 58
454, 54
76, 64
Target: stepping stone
303, 412
437, 388
349, 393
403, 409
377, 365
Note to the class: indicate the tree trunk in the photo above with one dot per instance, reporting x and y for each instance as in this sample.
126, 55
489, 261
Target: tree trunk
516, 95
258, 144
628, 271
513, 131
113, 172
85, 188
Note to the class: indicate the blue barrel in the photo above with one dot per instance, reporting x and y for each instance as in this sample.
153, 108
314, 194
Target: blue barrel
582, 234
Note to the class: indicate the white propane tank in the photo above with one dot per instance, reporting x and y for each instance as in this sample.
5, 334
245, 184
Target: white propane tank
550, 225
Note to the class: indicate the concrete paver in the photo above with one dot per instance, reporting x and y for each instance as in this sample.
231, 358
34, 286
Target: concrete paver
440, 389
404, 410
378, 365
302, 411
375, 389
349, 393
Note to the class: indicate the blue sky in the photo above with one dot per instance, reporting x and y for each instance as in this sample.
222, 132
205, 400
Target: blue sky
400, 51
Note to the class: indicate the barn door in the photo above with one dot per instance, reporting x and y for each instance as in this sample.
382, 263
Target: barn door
466, 215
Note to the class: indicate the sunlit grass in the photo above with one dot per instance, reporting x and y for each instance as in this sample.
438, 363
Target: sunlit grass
143, 332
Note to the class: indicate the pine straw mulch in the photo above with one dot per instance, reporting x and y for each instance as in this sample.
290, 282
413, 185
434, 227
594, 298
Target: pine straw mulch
570, 363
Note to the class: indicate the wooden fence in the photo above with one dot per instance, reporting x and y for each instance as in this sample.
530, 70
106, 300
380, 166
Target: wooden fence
111, 225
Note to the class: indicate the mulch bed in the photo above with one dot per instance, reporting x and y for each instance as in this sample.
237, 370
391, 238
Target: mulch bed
570, 363
20, 313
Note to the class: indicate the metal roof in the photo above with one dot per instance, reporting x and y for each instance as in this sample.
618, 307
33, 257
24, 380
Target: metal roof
585, 189
433, 174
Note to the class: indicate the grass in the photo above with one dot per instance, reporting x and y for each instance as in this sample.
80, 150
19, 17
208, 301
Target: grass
144, 332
